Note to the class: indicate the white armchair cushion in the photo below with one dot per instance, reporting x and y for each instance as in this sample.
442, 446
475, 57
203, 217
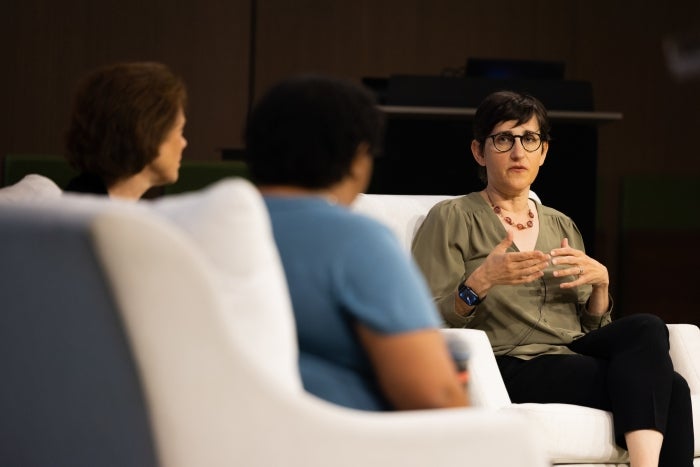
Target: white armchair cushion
573, 434
402, 214
685, 353
228, 221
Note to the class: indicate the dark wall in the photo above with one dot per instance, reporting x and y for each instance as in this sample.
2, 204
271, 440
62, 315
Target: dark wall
47, 45
230, 51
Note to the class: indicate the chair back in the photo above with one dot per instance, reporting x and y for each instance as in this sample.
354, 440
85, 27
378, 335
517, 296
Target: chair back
202, 292
71, 394
401, 213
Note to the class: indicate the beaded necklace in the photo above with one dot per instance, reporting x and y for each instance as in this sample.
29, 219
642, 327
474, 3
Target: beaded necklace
497, 209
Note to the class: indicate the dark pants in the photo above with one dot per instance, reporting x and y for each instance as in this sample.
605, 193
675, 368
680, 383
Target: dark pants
624, 368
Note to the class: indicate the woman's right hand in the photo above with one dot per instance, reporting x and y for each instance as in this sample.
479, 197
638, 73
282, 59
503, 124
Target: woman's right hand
502, 267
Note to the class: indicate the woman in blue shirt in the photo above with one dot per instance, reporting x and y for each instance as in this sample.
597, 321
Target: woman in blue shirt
367, 326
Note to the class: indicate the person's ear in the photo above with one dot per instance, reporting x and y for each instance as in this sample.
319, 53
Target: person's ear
357, 178
361, 166
478, 153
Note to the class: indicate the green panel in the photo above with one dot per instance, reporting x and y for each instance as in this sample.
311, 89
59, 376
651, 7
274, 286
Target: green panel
660, 202
53, 166
195, 175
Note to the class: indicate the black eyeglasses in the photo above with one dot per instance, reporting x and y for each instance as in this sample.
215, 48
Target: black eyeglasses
504, 141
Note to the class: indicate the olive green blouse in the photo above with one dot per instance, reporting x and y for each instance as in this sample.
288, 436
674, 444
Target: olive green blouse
520, 320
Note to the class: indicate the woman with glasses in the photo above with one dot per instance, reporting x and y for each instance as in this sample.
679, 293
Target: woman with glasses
499, 261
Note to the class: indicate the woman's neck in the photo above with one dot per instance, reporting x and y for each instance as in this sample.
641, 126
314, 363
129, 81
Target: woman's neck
516, 203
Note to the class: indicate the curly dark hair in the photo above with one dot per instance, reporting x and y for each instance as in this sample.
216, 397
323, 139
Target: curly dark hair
305, 131
121, 114
502, 106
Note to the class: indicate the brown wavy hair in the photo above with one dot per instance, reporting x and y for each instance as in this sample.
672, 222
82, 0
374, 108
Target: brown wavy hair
121, 114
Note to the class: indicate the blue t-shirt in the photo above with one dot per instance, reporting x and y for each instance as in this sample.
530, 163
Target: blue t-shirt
344, 268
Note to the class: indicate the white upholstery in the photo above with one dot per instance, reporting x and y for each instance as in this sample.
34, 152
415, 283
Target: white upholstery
482, 362
571, 434
402, 214
203, 299
228, 222
220, 391
685, 353
224, 239
31, 187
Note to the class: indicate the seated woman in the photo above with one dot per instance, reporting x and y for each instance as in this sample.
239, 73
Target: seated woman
126, 130
503, 263
367, 327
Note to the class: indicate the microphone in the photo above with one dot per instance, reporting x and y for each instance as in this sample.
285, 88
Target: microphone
459, 350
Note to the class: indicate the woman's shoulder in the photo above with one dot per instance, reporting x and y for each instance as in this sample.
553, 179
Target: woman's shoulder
556, 217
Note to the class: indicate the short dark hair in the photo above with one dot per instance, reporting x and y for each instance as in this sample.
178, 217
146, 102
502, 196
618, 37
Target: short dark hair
502, 106
305, 131
121, 114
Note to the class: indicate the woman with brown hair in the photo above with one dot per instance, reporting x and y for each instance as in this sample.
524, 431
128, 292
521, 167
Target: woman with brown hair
126, 130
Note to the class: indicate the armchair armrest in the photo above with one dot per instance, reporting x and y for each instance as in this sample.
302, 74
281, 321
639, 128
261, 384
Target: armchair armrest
685, 353
440, 437
486, 387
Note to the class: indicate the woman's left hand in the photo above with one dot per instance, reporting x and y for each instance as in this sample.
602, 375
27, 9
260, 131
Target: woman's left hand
582, 267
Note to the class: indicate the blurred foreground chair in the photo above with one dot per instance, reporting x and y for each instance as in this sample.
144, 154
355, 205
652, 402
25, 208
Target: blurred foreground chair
161, 333
70, 393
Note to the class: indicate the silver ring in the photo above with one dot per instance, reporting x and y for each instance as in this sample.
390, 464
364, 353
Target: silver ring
580, 271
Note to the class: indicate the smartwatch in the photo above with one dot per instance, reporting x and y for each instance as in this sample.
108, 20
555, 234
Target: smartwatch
470, 297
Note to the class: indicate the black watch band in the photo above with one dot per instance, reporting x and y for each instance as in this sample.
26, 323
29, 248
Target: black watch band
469, 297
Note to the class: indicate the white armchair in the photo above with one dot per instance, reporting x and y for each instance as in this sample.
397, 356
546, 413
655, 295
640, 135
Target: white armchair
572, 435
198, 285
